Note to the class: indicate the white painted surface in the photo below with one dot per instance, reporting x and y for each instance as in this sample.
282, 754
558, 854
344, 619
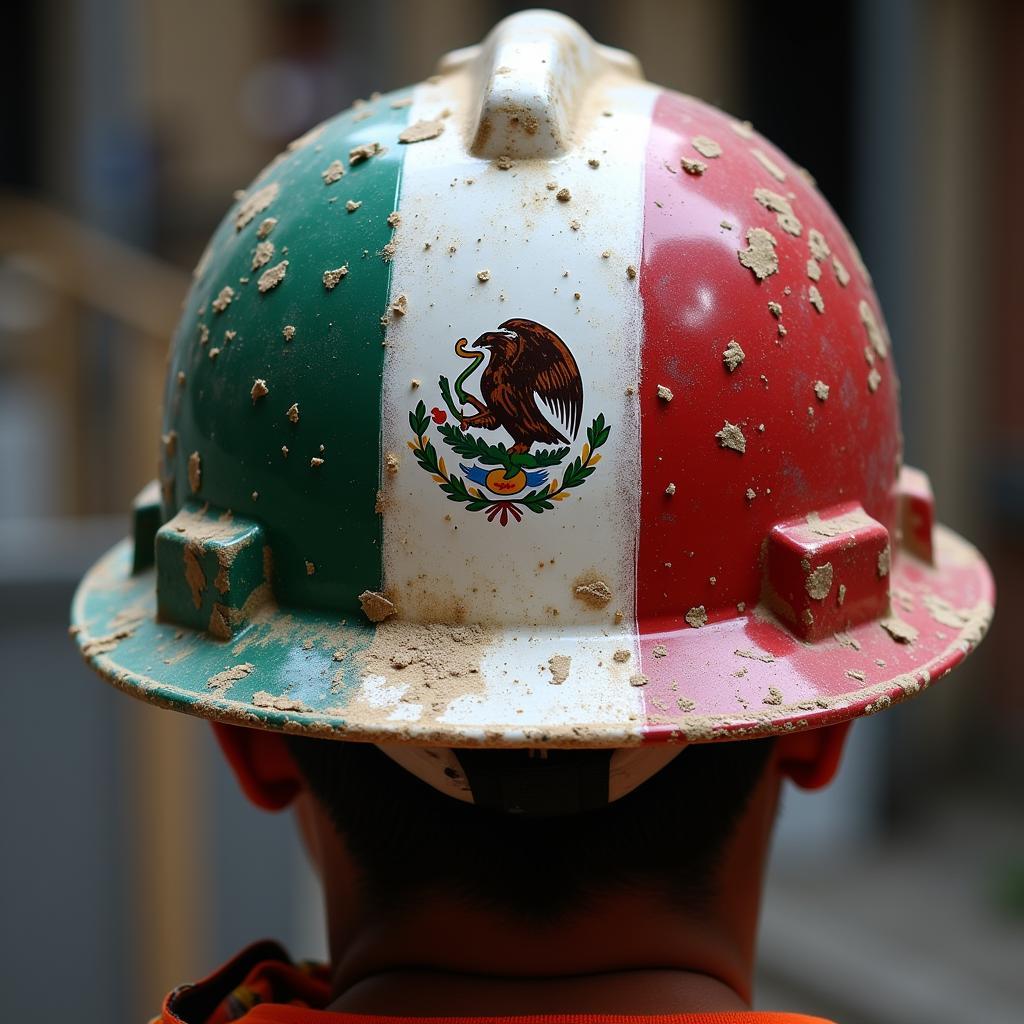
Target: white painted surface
534, 66
521, 578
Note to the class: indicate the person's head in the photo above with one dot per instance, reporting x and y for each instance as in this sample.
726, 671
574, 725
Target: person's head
673, 835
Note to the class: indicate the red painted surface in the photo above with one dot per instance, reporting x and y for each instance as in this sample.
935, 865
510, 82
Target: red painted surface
917, 513
860, 671
848, 545
702, 546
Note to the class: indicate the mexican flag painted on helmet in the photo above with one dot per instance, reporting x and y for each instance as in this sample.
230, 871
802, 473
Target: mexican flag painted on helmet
533, 406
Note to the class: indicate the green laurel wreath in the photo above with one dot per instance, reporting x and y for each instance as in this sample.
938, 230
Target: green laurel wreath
473, 447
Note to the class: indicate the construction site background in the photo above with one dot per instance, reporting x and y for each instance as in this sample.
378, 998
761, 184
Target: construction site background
131, 862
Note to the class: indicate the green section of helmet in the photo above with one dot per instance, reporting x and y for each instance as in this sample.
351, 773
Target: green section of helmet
284, 669
273, 395
209, 570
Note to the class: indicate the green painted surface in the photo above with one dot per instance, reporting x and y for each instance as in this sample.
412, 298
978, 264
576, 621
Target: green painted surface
292, 673
207, 567
331, 368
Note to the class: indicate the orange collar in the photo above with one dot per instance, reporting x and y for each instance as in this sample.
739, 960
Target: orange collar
262, 985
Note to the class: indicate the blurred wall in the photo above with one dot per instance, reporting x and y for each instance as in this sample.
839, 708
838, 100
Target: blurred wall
129, 126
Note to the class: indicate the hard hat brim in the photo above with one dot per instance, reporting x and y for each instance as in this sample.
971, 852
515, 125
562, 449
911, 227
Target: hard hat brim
308, 672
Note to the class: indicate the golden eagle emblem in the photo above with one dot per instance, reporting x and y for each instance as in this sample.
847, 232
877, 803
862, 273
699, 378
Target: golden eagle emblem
532, 390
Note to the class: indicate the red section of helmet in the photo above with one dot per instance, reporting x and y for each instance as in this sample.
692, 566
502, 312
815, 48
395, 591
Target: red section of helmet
826, 575
702, 545
917, 514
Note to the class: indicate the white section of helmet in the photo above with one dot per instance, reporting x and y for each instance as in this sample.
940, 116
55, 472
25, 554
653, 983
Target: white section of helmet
531, 73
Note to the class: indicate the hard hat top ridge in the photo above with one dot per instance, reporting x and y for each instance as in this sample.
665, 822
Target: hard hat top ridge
533, 406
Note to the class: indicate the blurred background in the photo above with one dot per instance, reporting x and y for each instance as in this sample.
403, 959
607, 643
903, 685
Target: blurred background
129, 861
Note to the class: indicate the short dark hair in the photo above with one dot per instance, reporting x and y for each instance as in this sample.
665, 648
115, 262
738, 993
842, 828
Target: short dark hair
407, 838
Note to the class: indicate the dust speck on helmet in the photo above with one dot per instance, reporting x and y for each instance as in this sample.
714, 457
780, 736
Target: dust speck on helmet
332, 277
733, 355
769, 165
250, 205
262, 254
706, 147
902, 632
421, 131
223, 299
272, 277
376, 606
226, 678
697, 617
782, 208
731, 436
819, 247
366, 151
760, 256
594, 592
818, 582
559, 666
842, 274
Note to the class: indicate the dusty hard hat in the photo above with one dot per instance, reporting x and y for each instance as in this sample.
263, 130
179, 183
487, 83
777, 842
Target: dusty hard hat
534, 406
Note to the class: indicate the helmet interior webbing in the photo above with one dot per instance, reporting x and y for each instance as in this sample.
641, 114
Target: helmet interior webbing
537, 782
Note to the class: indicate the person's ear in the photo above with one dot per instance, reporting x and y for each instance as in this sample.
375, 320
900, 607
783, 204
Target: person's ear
262, 764
811, 759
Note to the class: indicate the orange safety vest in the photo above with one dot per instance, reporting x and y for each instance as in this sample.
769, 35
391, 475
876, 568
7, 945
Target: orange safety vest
263, 986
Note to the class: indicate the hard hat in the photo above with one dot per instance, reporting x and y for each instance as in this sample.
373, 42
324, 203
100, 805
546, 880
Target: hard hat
532, 407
